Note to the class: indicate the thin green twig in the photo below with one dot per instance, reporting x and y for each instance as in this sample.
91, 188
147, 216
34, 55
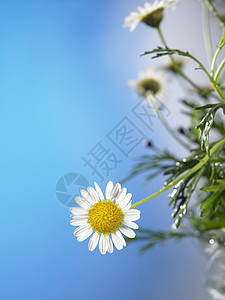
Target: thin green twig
220, 68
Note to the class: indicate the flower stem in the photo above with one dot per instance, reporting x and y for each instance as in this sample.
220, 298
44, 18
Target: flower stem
202, 162
219, 48
217, 75
176, 67
218, 90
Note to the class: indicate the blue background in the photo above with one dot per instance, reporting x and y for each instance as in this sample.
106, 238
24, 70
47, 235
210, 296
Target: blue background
63, 76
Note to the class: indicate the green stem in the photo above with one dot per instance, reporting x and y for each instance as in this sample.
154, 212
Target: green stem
213, 65
206, 33
202, 162
165, 123
215, 78
220, 68
219, 48
218, 90
176, 67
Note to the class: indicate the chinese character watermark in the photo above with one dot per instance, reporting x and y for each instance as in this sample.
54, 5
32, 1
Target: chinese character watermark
101, 161
125, 136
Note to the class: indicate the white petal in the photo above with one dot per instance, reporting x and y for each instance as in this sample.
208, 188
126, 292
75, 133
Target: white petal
117, 242
79, 217
81, 229
93, 241
79, 211
131, 214
127, 231
121, 196
103, 246
131, 224
141, 10
108, 190
99, 191
128, 206
79, 220
134, 14
110, 244
148, 5
131, 217
93, 194
133, 211
125, 200
82, 202
119, 235
84, 235
115, 191
87, 197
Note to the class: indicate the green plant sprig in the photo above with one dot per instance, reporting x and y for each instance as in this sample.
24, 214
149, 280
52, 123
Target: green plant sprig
194, 169
167, 51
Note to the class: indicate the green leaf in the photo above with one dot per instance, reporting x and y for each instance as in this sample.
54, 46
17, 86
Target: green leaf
214, 200
167, 51
206, 106
210, 188
205, 126
182, 209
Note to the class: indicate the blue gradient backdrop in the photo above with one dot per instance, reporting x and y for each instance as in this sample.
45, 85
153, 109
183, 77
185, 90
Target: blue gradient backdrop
64, 69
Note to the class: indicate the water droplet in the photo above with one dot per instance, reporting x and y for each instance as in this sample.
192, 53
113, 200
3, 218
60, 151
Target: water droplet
178, 184
183, 206
174, 212
174, 226
211, 241
184, 159
173, 193
177, 163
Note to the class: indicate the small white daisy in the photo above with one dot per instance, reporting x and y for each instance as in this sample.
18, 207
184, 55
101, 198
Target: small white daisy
150, 84
107, 218
150, 14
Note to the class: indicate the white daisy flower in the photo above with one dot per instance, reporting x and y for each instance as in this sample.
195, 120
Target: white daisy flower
150, 14
106, 217
150, 84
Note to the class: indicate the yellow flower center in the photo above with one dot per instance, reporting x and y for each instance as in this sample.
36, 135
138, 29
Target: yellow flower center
148, 85
105, 217
153, 18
